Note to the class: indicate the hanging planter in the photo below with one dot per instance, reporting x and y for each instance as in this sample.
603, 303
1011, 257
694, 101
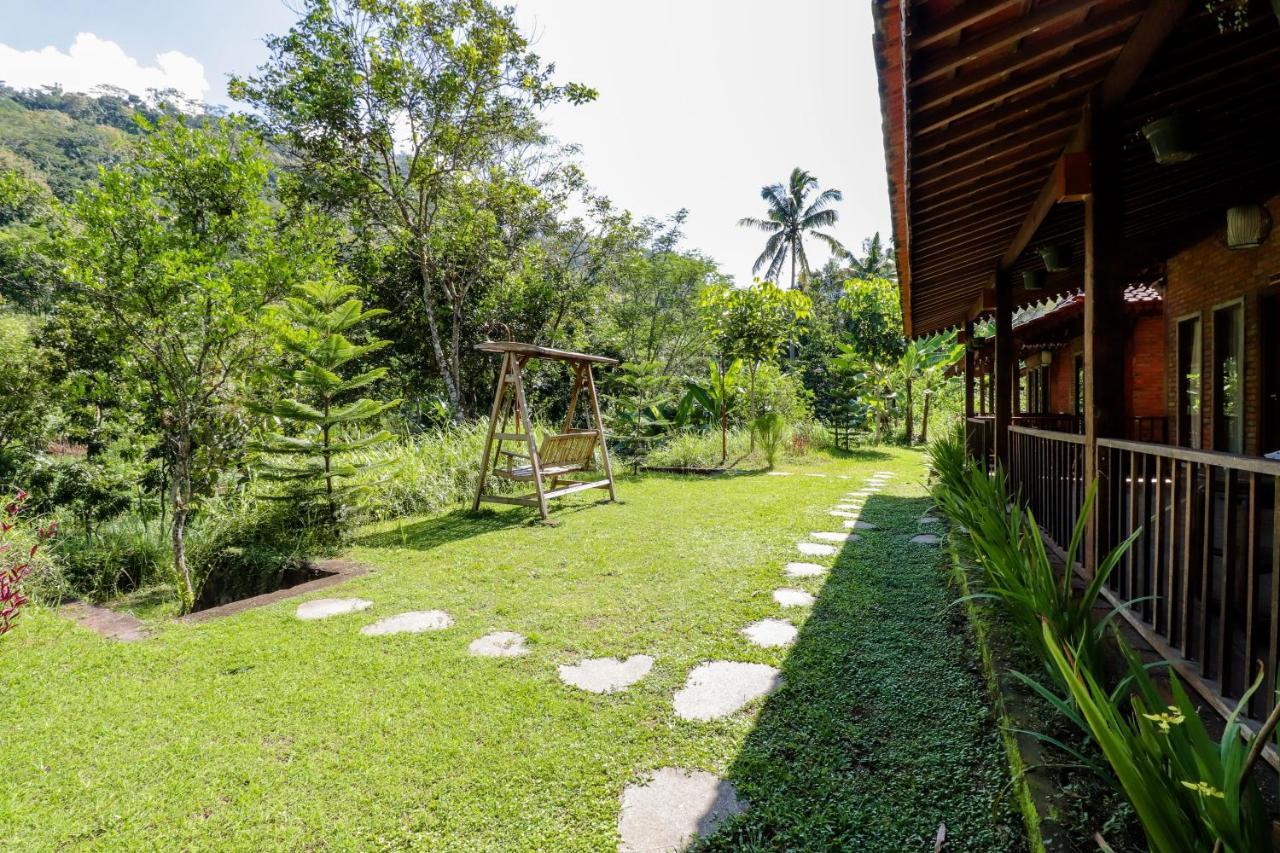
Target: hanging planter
1057, 257
1247, 226
1170, 139
1033, 279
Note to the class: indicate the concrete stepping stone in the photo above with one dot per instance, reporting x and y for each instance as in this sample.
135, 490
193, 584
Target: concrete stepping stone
884, 474
925, 539
720, 688
606, 675
771, 633
809, 474
323, 608
779, 473
124, 627
863, 493
499, 644
413, 622
843, 513
832, 536
804, 570
857, 524
929, 519
672, 807
788, 597
816, 549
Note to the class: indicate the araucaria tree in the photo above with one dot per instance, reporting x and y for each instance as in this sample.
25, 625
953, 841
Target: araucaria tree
322, 423
790, 218
389, 106
178, 250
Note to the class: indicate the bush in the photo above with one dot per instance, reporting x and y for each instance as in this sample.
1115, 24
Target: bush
770, 429
119, 556
19, 547
694, 449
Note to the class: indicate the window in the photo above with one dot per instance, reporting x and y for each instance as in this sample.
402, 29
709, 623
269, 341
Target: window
1189, 421
1228, 379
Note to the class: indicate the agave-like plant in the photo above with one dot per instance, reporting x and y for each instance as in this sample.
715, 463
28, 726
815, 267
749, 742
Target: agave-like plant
770, 429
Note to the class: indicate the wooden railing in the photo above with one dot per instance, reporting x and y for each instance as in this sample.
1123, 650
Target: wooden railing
1052, 423
1206, 564
1047, 470
980, 438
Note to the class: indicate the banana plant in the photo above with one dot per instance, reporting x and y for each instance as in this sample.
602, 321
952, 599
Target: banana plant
714, 400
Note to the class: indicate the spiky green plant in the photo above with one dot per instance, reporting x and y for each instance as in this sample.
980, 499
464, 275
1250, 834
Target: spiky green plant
769, 430
321, 424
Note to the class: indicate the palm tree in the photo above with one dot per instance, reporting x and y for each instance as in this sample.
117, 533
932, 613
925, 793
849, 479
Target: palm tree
789, 219
877, 260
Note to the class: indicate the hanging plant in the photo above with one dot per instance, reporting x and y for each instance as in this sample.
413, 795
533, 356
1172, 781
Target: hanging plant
1232, 15
1170, 138
1033, 279
1056, 257
1247, 226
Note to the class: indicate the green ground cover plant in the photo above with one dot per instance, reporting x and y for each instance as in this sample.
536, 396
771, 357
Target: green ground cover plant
283, 734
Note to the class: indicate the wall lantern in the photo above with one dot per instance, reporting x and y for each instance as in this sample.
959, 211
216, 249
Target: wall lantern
1247, 226
1033, 279
1170, 138
1056, 257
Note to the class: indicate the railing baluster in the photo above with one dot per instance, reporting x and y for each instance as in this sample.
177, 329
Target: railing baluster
1184, 629
1226, 585
1152, 608
1250, 585
1206, 537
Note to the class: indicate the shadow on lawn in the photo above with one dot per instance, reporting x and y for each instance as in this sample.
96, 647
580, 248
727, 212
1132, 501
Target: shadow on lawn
882, 731
464, 523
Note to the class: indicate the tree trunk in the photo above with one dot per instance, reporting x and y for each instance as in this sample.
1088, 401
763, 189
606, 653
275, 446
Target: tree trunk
327, 456
911, 415
446, 373
751, 401
724, 421
181, 499
924, 419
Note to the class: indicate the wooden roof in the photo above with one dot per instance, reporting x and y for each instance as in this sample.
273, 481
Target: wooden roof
535, 351
981, 100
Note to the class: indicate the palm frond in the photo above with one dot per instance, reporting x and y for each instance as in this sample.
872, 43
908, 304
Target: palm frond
768, 225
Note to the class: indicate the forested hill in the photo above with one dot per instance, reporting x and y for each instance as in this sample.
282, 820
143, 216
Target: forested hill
60, 138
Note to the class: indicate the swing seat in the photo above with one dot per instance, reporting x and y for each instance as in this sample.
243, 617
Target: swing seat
559, 454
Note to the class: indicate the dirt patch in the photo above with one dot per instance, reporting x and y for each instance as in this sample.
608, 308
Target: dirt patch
109, 623
325, 573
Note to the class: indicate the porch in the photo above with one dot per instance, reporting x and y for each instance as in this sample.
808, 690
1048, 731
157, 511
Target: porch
1119, 327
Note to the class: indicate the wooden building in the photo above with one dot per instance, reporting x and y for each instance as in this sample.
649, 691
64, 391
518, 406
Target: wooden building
1093, 148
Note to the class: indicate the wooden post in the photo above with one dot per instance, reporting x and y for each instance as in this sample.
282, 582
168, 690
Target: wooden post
1104, 334
595, 412
498, 394
522, 407
970, 358
1006, 364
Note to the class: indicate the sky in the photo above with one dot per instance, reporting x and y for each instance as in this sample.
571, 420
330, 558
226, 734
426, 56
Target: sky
701, 102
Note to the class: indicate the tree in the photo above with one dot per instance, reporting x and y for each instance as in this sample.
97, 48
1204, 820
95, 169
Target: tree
877, 260
789, 218
311, 328
872, 318
390, 106
716, 399
752, 324
177, 250
924, 364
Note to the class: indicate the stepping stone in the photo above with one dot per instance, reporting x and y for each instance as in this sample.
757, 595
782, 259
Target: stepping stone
720, 688
815, 549
673, 807
884, 474
322, 608
863, 493
814, 475
124, 627
413, 622
843, 513
779, 473
929, 519
860, 525
771, 633
826, 536
788, 597
926, 539
804, 570
606, 675
499, 644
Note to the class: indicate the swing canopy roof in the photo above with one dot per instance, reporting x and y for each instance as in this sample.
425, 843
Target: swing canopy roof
535, 351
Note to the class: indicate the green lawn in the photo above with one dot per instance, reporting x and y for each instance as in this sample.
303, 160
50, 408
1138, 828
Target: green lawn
258, 731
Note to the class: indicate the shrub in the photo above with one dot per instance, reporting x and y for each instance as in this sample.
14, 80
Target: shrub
769, 429
16, 563
118, 556
694, 449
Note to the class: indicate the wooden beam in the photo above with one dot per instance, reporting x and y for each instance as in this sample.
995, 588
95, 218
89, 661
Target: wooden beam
1042, 79
969, 358
1160, 19
1108, 23
964, 15
1070, 181
943, 61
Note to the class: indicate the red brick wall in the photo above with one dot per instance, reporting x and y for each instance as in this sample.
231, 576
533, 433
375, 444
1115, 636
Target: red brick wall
1206, 275
1062, 382
1145, 368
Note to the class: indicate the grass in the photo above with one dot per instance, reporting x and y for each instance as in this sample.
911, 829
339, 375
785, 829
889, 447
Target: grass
261, 732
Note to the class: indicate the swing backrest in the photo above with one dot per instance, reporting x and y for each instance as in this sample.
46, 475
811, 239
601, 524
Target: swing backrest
570, 448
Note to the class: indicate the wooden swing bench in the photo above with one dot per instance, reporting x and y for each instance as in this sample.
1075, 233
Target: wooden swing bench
571, 451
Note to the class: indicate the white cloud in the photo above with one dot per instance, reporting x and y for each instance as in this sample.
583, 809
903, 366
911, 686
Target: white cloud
94, 62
